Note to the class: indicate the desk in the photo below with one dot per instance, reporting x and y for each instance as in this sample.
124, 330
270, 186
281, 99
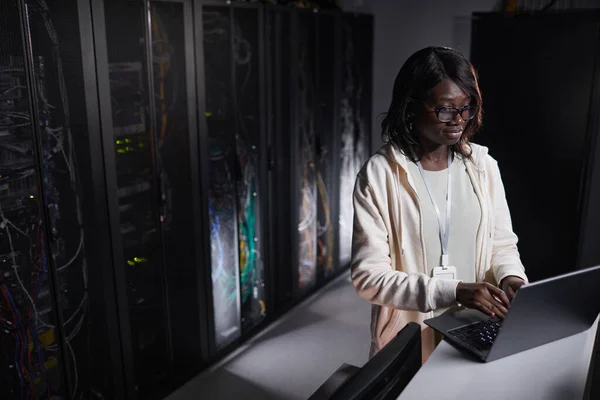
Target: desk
555, 371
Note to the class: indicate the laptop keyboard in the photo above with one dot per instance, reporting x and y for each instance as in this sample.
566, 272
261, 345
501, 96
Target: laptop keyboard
480, 335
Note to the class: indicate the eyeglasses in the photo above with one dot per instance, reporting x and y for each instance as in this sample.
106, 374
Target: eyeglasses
447, 114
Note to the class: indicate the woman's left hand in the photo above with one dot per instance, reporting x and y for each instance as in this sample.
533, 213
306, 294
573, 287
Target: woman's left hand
510, 285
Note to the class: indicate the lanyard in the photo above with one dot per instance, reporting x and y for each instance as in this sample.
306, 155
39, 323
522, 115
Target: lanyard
444, 231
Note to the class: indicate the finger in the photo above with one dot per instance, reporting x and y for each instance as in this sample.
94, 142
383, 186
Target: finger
511, 293
498, 307
494, 306
484, 308
499, 294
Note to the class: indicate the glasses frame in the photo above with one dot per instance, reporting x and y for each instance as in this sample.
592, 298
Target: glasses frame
455, 111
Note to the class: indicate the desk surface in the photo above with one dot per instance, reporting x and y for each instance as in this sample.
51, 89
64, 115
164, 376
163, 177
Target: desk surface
555, 371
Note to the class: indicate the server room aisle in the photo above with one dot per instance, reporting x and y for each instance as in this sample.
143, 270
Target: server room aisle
293, 357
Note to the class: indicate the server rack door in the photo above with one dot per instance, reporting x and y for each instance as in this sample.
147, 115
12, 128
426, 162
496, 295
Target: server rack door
32, 350
355, 119
43, 121
250, 159
131, 156
174, 108
223, 170
150, 128
79, 235
304, 154
280, 105
326, 114
517, 64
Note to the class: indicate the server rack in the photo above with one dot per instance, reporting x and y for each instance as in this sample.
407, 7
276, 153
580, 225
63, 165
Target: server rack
280, 72
327, 123
237, 190
57, 310
316, 63
355, 118
146, 77
301, 92
154, 131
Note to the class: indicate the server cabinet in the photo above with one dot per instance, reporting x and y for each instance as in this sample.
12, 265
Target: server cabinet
54, 310
236, 142
187, 125
355, 109
304, 192
327, 126
547, 150
279, 71
314, 80
146, 75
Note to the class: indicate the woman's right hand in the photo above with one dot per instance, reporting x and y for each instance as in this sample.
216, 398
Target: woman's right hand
484, 297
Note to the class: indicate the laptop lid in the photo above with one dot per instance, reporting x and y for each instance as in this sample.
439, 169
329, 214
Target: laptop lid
548, 310
592, 383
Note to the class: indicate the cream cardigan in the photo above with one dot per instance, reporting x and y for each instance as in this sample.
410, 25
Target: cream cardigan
388, 264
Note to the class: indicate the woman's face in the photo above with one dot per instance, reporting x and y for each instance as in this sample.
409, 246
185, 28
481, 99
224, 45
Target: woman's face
426, 123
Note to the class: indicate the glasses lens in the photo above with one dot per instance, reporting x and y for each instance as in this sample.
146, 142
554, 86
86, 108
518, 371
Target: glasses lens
446, 115
469, 113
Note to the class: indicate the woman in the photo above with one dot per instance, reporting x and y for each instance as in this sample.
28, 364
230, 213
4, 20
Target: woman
432, 227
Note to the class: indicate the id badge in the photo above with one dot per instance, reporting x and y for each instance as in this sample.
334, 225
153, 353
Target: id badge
448, 272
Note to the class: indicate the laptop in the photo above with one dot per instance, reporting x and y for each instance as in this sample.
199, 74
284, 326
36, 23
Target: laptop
540, 313
592, 383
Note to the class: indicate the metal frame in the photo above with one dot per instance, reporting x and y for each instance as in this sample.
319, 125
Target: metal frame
32, 93
234, 98
157, 171
99, 240
203, 180
294, 157
335, 166
194, 73
102, 78
279, 183
265, 198
268, 125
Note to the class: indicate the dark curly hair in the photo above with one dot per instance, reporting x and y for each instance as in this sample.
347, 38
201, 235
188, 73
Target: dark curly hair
417, 77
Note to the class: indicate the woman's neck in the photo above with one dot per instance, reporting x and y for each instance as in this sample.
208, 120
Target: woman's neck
434, 158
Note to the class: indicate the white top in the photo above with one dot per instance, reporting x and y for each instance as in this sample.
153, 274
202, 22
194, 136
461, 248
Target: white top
464, 223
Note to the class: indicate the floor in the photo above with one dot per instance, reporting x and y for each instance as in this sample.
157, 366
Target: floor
295, 355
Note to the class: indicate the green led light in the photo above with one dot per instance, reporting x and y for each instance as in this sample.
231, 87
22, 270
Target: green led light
119, 141
31, 197
127, 140
208, 114
131, 263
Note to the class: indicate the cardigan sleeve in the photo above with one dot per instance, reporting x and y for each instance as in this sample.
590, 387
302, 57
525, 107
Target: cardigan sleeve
373, 276
506, 260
